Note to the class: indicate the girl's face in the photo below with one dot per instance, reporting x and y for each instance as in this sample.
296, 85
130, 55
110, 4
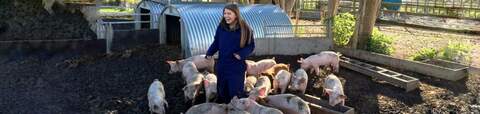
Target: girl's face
229, 16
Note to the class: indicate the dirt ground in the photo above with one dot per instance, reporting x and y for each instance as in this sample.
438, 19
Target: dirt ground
118, 83
27, 20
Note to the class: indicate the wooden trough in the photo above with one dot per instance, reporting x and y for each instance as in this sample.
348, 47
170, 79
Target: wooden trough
444, 70
319, 106
400, 80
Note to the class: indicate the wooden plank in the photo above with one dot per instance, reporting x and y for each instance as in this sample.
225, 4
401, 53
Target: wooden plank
319, 106
422, 68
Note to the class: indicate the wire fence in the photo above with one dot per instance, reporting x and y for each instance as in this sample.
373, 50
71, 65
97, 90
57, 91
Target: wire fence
463, 9
105, 29
297, 31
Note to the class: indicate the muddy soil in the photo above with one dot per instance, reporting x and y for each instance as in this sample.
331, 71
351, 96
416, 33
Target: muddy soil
118, 83
27, 20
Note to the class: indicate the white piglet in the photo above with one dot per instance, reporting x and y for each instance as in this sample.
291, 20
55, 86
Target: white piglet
190, 73
208, 108
193, 79
334, 90
288, 103
326, 58
156, 97
299, 81
281, 81
262, 88
252, 107
255, 68
199, 60
213, 108
210, 84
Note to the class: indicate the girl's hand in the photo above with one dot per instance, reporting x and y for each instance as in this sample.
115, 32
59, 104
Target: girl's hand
208, 57
236, 56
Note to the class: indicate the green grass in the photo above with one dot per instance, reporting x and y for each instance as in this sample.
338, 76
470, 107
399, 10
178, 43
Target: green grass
424, 54
128, 1
116, 10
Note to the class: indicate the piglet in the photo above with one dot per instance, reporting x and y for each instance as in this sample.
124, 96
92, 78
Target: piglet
334, 89
262, 88
299, 81
156, 98
214, 108
288, 103
255, 68
208, 108
252, 106
325, 58
281, 81
190, 73
199, 60
210, 84
250, 82
193, 79
274, 70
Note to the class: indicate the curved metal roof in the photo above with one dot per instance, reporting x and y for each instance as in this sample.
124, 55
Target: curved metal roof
199, 22
156, 9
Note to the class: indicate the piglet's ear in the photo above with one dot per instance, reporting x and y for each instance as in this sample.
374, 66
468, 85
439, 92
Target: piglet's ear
300, 61
303, 80
235, 98
328, 91
342, 96
262, 92
206, 83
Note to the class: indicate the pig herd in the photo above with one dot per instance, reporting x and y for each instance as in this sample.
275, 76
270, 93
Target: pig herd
267, 83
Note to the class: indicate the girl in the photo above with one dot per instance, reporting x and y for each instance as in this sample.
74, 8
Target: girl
234, 42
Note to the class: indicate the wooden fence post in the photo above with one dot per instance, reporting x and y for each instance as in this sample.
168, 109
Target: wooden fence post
332, 11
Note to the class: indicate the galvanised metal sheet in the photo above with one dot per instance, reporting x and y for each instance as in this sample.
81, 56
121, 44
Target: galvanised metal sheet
155, 13
201, 20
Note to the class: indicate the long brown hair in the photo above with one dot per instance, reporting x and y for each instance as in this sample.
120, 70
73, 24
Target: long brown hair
246, 31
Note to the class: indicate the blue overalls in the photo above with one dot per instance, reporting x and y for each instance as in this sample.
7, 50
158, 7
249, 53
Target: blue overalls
230, 71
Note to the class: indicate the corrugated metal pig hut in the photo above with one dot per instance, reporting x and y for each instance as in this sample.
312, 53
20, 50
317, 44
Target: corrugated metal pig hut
192, 25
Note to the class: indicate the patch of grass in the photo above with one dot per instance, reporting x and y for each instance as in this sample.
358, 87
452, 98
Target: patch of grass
458, 52
424, 54
116, 10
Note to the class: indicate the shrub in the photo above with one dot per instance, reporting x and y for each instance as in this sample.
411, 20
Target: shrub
380, 43
343, 27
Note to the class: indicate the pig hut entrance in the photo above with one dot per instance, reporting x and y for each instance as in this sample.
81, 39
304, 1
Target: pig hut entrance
145, 18
173, 31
